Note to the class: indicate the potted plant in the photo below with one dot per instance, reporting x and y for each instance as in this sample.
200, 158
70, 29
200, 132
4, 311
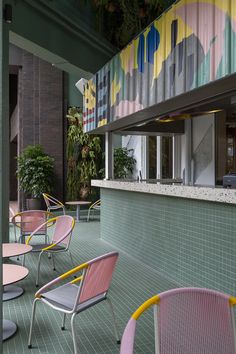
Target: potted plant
35, 174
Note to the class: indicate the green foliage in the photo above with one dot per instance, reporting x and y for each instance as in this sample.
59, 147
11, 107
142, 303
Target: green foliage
83, 157
124, 163
35, 171
121, 20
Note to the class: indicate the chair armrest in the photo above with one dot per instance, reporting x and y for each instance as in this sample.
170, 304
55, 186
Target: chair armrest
98, 202
150, 302
232, 301
77, 279
61, 277
13, 220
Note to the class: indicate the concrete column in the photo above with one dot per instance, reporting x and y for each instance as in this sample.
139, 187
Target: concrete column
4, 138
4, 128
159, 157
109, 164
188, 152
176, 157
145, 157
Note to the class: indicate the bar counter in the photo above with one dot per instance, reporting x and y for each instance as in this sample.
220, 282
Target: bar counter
221, 195
185, 233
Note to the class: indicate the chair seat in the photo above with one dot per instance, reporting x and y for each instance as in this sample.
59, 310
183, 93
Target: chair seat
39, 247
64, 298
54, 207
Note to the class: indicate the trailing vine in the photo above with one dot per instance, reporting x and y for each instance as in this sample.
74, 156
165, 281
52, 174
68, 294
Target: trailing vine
84, 156
121, 20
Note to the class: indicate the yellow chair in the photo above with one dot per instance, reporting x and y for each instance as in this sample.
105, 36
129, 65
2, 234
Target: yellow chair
53, 203
95, 206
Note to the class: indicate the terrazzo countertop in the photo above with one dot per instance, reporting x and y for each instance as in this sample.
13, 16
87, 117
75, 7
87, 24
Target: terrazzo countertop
220, 195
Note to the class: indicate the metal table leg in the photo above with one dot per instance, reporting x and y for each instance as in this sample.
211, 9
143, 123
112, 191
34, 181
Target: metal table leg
78, 212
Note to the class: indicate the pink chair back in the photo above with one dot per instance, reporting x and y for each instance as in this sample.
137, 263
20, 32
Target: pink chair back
97, 277
190, 320
63, 229
31, 220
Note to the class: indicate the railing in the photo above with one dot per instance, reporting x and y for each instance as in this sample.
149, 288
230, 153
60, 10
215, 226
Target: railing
151, 180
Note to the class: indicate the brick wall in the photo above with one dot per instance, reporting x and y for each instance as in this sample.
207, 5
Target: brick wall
41, 113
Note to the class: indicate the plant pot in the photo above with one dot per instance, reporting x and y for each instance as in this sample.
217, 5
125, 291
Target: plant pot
34, 204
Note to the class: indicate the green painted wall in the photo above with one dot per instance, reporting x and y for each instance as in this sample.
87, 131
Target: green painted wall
50, 26
75, 98
190, 242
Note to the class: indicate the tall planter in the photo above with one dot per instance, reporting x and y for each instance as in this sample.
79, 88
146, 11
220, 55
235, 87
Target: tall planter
34, 203
84, 156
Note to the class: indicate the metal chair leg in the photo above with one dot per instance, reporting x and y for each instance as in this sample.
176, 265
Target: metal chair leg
88, 215
63, 321
73, 333
23, 260
114, 321
71, 258
53, 262
31, 323
15, 233
20, 241
38, 269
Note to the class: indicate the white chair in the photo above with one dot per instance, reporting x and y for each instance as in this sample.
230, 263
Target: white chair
95, 206
53, 203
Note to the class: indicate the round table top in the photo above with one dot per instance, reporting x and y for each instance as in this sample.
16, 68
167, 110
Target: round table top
79, 202
15, 249
13, 273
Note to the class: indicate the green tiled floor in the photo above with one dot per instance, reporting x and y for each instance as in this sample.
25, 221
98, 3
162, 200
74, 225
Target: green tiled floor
132, 284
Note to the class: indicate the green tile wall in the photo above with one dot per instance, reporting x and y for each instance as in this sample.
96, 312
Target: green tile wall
192, 243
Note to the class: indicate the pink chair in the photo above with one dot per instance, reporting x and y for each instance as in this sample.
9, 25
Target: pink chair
72, 299
28, 221
60, 242
187, 321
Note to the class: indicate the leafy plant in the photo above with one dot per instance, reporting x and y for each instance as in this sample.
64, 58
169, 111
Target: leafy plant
124, 163
35, 171
121, 20
83, 156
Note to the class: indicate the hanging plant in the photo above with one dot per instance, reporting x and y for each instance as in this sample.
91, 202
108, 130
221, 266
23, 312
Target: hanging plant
84, 155
121, 20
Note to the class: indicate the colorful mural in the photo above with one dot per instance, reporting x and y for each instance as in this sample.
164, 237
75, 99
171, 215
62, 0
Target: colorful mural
190, 45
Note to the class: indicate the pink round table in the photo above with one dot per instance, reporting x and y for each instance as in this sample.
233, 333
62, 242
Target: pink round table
15, 249
11, 250
11, 274
78, 204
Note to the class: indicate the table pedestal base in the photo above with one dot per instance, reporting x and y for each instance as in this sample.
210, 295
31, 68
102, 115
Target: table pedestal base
11, 292
9, 328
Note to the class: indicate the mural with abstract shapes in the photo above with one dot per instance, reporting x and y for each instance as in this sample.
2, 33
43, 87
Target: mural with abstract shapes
190, 45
